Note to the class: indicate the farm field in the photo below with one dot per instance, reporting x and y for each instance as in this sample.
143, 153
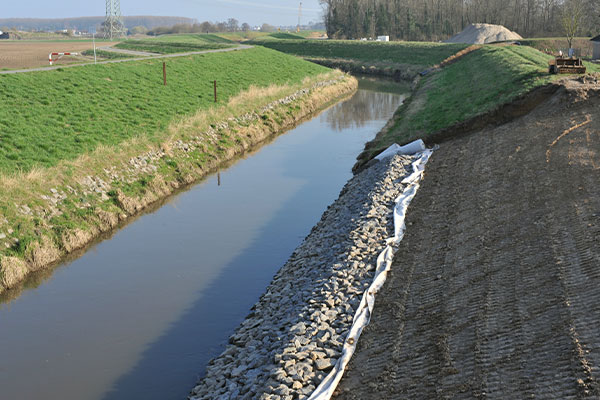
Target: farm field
23, 54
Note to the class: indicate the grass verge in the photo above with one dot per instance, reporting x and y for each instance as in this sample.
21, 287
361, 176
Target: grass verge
106, 55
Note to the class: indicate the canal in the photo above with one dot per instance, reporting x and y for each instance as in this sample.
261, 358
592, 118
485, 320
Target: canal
140, 313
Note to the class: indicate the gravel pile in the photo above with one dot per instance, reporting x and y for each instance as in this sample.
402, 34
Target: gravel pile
294, 334
484, 33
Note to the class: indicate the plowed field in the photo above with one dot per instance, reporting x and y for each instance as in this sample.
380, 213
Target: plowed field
22, 54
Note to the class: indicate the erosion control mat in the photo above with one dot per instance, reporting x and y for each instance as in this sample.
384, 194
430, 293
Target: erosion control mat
495, 289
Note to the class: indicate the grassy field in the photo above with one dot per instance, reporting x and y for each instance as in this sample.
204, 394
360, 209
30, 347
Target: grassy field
177, 43
192, 38
102, 55
51, 116
476, 83
409, 53
170, 44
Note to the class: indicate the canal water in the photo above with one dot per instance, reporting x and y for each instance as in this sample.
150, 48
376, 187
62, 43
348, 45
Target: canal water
140, 314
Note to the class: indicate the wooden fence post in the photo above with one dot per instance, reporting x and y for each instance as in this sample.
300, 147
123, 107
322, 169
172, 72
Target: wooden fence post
165, 73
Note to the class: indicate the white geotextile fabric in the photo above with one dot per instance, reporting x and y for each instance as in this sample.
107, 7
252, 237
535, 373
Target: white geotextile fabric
384, 262
408, 149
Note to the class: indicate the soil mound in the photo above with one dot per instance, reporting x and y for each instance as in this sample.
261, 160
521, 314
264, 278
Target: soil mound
484, 33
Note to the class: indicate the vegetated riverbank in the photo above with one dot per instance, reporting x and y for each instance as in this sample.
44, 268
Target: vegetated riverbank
294, 334
463, 88
50, 212
398, 60
489, 85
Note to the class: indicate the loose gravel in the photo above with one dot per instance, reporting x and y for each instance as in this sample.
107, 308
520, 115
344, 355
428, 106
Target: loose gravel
294, 334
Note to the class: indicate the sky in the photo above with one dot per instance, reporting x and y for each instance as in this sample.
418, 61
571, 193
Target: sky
254, 12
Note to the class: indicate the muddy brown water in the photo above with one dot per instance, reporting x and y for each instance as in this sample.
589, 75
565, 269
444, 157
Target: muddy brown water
139, 315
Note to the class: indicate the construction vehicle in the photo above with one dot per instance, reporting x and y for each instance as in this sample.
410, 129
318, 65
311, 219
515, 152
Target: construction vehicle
566, 65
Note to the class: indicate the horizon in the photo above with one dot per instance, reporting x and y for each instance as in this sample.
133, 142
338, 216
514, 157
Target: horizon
273, 12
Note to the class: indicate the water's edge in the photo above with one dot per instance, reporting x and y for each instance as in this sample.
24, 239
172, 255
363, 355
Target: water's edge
46, 255
295, 333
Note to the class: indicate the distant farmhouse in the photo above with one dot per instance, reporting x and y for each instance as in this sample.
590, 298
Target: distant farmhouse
4, 35
596, 42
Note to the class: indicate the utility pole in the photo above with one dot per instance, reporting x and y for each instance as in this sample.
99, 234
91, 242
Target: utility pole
299, 18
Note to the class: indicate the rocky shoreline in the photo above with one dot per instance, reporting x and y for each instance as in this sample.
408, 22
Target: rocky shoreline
294, 334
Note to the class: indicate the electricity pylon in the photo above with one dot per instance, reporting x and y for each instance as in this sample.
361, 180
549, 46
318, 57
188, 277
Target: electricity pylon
113, 24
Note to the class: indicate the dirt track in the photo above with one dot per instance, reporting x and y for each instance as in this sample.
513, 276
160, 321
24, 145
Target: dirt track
495, 290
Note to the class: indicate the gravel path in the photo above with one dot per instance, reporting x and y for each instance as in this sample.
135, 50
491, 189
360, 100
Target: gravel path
152, 56
294, 334
495, 290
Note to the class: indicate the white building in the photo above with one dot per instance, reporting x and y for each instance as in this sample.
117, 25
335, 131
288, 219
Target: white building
383, 38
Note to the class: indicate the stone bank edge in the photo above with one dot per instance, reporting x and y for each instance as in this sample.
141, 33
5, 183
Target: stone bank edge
295, 333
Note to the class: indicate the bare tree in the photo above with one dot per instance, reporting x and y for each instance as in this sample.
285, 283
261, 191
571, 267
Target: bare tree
571, 19
233, 25
439, 19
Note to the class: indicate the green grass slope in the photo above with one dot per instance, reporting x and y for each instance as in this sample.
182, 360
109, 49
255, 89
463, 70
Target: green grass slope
55, 115
168, 47
477, 83
409, 53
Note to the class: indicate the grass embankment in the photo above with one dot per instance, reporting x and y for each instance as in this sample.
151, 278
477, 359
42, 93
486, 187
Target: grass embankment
478, 83
101, 142
81, 108
180, 43
399, 59
102, 55
169, 44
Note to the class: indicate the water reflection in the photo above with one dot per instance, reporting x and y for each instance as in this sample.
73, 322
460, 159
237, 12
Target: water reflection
365, 106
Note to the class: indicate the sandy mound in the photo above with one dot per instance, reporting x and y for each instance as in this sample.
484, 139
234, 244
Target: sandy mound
484, 33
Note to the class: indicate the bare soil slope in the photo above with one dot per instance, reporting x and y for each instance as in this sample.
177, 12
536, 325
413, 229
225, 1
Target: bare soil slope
484, 33
495, 290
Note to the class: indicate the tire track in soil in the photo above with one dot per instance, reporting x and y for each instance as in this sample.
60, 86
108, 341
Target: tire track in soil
495, 289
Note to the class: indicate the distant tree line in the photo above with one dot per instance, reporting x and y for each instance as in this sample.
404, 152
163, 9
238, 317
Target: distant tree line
440, 19
87, 23
231, 25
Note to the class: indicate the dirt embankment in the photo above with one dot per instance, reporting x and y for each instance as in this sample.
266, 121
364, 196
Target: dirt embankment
158, 172
494, 289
